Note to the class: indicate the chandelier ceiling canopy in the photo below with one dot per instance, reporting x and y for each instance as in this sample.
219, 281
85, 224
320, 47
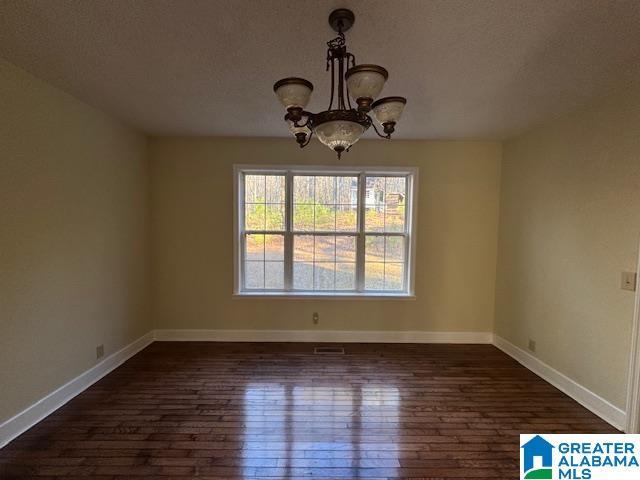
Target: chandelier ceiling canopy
340, 126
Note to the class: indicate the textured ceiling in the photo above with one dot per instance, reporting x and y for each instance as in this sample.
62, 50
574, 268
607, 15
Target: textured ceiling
470, 69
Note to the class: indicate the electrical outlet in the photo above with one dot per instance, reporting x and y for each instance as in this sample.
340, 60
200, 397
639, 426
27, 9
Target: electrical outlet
629, 280
316, 318
99, 351
532, 345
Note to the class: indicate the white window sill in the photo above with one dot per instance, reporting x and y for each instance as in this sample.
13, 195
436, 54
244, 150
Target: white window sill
323, 296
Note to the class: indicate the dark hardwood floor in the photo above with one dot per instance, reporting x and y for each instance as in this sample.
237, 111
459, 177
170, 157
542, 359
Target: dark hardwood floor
244, 411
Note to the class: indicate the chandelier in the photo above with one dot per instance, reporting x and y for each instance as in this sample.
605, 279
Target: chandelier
340, 127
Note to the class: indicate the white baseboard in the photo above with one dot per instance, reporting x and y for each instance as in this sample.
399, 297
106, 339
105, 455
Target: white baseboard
21, 422
585, 397
338, 336
24, 420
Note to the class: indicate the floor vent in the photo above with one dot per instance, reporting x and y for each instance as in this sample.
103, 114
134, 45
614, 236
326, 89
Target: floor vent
328, 351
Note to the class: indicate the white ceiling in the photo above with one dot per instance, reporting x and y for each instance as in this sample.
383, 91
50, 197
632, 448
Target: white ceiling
469, 68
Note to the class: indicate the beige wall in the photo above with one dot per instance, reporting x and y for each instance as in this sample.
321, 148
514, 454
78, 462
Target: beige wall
569, 225
73, 238
193, 236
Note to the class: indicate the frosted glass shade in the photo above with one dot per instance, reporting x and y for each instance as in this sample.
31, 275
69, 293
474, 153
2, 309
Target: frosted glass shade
388, 109
293, 92
339, 134
366, 81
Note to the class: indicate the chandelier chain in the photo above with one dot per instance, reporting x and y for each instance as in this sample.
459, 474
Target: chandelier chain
332, 76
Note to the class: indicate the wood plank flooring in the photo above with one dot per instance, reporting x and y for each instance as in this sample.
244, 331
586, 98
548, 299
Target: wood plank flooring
249, 411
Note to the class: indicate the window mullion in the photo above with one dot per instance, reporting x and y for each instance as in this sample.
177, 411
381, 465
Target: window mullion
243, 242
407, 263
239, 200
288, 236
361, 239
408, 231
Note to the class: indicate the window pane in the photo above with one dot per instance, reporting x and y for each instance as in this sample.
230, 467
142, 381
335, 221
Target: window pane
394, 249
346, 249
374, 249
347, 218
254, 188
395, 196
347, 190
395, 185
374, 204
374, 276
274, 247
274, 216
303, 252
303, 246
254, 216
274, 186
303, 217
325, 203
345, 276
394, 221
274, 275
254, 274
303, 275
325, 190
385, 204
323, 276
325, 249
374, 220
325, 218
264, 202
303, 189
314, 262
259, 273
393, 276
254, 247
384, 267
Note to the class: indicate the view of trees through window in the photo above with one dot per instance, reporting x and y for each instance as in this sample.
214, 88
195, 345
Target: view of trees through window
332, 224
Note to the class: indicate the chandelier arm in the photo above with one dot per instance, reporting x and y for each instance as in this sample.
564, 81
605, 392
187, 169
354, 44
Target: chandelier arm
341, 105
303, 113
309, 137
332, 80
309, 116
388, 137
347, 86
353, 60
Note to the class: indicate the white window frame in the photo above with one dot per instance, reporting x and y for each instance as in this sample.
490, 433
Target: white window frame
411, 173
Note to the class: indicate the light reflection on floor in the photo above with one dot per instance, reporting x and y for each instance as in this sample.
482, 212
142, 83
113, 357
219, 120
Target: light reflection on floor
290, 429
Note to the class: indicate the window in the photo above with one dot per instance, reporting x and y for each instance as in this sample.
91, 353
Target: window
324, 231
